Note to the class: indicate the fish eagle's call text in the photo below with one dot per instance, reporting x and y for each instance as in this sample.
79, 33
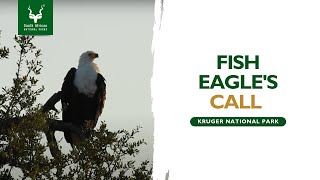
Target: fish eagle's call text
234, 81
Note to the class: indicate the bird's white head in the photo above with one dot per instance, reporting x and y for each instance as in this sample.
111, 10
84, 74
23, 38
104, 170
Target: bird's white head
86, 74
87, 58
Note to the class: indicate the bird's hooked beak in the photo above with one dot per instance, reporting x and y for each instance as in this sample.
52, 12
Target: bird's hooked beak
93, 56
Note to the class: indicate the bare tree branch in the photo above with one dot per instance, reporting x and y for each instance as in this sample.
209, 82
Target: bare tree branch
49, 105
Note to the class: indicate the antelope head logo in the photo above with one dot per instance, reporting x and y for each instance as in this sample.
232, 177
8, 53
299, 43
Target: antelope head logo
35, 17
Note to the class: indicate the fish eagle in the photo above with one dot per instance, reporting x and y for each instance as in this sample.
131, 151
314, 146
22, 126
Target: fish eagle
83, 96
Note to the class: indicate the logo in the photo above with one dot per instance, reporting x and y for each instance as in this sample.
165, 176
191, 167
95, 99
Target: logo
35, 17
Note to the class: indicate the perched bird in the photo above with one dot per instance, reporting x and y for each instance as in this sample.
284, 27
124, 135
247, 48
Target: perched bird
83, 96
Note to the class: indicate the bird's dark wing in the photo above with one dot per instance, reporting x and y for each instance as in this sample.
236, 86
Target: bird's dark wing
100, 95
68, 90
67, 86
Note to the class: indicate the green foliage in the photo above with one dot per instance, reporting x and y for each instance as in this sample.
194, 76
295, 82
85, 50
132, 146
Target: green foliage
23, 146
21, 97
20, 145
25, 150
107, 156
4, 52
